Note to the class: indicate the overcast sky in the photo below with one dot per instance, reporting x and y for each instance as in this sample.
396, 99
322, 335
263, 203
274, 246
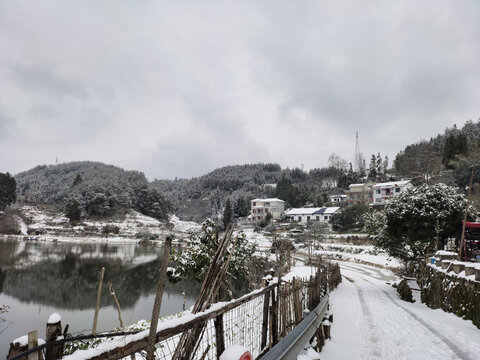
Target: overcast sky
180, 88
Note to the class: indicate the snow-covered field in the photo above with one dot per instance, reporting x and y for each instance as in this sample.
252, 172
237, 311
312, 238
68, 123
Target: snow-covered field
53, 227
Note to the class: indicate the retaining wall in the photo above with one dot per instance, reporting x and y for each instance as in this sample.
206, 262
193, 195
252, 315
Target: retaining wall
448, 291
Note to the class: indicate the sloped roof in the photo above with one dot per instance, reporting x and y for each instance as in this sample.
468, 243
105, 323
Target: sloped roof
331, 210
312, 211
393, 183
302, 211
268, 200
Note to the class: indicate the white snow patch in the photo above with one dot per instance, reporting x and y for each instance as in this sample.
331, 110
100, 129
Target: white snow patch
54, 318
23, 341
234, 352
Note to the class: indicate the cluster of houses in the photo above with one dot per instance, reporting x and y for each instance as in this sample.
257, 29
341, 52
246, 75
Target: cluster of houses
261, 207
375, 194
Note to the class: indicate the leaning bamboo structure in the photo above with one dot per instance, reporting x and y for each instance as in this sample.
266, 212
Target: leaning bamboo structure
213, 280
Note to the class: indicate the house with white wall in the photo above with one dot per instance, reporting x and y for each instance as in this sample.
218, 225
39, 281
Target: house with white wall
338, 199
387, 190
259, 208
304, 215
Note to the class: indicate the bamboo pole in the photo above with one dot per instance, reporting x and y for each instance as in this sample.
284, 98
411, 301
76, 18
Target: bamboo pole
158, 300
112, 292
462, 238
97, 305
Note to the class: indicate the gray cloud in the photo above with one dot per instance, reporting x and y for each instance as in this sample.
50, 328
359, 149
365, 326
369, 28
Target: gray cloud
177, 89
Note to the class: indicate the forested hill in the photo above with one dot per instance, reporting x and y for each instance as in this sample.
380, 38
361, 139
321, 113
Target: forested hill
91, 188
446, 158
198, 198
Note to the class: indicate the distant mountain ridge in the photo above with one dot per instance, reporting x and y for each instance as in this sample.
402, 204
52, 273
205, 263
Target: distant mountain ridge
102, 190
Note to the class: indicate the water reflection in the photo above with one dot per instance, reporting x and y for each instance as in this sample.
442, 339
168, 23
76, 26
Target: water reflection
65, 276
39, 278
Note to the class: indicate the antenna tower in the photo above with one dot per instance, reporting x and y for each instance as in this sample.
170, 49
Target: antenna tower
358, 159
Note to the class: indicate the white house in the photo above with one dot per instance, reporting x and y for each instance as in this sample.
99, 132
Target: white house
338, 199
259, 208
385, 191
304, 215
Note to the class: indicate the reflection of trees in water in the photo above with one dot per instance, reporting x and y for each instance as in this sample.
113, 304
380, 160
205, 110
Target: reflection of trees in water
2, 278
72, 282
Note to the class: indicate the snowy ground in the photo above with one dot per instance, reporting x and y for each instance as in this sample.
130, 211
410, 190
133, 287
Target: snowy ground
54, 227
371, 322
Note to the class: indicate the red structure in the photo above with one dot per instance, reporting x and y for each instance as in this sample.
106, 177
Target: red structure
472, 241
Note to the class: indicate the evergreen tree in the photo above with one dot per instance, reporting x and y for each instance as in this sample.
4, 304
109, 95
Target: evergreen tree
385, 164
8, 190
380, 169
414, 223
73, 209
372, 173
77, 181
241, 208
227, 213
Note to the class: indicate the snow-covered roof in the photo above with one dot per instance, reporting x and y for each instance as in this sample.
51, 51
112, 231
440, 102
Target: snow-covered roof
393, 184
312, 211
339, 195
302, 211
268, 200
331, 210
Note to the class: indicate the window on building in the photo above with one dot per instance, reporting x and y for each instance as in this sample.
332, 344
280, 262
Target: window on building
299, 218
318, 218
379, 191
397, 190
254, 203
308, 218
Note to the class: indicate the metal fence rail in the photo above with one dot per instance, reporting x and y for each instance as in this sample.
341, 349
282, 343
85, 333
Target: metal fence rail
291, 345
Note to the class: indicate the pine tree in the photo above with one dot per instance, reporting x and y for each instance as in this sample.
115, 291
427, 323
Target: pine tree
8, 190
73, 209
380, 169
385, 164
227, 213
241, 208
372, 174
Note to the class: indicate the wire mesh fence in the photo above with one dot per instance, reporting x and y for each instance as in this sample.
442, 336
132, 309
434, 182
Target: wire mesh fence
256, 321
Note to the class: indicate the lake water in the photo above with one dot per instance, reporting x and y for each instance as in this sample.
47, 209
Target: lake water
39, 278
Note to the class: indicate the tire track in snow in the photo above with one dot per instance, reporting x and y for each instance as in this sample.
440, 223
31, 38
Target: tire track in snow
373, 337
451, 345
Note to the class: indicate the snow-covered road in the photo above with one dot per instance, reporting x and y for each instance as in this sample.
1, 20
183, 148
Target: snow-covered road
372, 322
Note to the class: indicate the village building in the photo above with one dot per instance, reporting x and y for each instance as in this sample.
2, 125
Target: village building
360, 193
259, 208
387, 190
338, 199
304, 215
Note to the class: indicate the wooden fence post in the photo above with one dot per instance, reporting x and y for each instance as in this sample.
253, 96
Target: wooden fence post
33, 342
266, 306
158, 299
219, 335
274, 315
53, 331
97, 304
